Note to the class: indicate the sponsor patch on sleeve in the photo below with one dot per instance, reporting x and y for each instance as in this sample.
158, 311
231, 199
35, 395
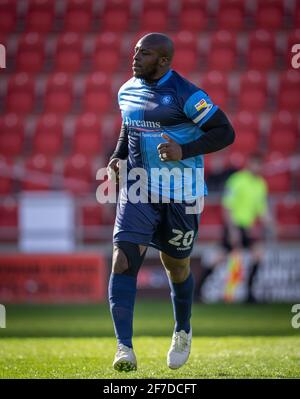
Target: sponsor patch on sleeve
201, 104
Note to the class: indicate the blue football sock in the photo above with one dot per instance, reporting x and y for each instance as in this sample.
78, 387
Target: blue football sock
122, 291
182, 299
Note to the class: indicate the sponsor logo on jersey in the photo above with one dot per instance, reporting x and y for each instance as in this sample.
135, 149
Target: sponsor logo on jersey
201, 104
166, 100
140, 123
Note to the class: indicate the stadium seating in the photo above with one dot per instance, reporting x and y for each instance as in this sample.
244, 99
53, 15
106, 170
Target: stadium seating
87, 137
12, 135
40, 16
30, 55
288, 93
97, 95
48, 135
20, 94
78, 15
38, 171
69, 53
261, 50
269, 14
8, 13
231, 15
222, 54
193, 16
6, 181
59, 93
253, 91
77, 174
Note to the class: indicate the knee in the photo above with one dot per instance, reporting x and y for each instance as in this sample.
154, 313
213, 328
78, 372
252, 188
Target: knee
119, 261
127, 258
177, 269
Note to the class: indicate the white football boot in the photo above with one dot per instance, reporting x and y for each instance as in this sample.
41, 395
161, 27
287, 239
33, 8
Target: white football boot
125, 359
180, 349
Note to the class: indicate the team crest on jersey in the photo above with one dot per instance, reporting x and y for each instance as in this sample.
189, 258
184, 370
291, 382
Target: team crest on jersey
166, 100
201, 104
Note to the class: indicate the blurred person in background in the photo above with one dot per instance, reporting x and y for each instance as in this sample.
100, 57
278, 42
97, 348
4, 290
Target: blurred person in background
245, 201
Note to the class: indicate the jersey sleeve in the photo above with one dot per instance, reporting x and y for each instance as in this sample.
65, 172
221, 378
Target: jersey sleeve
199, 107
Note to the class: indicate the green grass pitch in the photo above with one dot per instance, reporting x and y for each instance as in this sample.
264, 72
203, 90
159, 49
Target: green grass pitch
77, 341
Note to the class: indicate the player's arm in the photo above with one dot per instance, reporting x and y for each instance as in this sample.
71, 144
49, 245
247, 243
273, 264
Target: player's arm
120, 152
217, 134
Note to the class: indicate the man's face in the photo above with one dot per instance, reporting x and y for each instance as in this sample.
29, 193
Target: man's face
146, 61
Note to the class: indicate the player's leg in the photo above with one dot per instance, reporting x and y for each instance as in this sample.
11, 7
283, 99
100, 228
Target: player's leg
182, 284
133, 231
256, 254
127, 259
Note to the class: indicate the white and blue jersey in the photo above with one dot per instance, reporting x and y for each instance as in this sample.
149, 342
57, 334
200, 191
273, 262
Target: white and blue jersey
173, 106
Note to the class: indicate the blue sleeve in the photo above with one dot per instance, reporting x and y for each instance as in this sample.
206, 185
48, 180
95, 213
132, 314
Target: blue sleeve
199, 107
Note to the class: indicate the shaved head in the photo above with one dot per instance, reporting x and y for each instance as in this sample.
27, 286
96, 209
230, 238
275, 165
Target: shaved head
162, 43
153, 54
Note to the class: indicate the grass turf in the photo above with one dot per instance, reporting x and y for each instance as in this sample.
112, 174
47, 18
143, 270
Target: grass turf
76, 341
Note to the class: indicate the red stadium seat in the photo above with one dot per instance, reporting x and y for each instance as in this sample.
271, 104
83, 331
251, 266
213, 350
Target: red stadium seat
246, 127
287, 214
38, 172
231, 15
77, 174
253, 91
284, 133
6, 179
269, 14
8, 15
68, 52
277, 174
20, 94
289, 89
40, 16
158, 4
87, 137
222, 54
58, 97
8, 213
92, 215
154, 20
212, 214
185, 39
48, 137
193, 16
106, 55
78, 17
261, 50
185, 60
11, 135
297, 16
116, 20
30, 53
97, 96
215, 83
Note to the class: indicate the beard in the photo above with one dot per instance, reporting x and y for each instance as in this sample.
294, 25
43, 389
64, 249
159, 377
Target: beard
147, 73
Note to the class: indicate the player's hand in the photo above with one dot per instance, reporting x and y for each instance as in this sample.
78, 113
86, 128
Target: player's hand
170, 151
113, 168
